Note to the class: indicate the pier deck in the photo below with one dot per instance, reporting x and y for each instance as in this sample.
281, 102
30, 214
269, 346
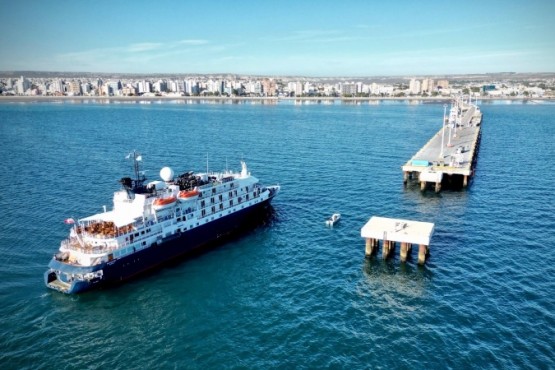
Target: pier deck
391, 231
458, 155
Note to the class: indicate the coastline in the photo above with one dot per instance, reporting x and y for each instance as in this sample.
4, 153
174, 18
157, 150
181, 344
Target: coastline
40, 98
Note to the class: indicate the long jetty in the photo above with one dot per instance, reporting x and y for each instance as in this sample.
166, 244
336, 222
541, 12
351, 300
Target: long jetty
450, 155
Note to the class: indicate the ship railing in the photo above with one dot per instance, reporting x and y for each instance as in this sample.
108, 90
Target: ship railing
232, 185
76, 245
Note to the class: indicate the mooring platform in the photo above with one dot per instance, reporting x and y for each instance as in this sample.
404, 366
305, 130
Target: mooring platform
452, 151
391, 231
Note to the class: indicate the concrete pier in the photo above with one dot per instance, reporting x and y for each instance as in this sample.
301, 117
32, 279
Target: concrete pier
391, 231
452, 152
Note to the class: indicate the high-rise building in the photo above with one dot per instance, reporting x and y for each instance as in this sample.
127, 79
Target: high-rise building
86, 88
56, 87
22, 85
348, 89
427, 85
415, 86
74, 88
143, 87
268, 87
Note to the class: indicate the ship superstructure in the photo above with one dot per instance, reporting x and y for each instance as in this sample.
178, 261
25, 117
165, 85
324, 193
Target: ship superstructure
151, 223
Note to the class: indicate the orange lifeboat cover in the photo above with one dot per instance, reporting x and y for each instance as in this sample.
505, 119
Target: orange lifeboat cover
188, 194
164, 201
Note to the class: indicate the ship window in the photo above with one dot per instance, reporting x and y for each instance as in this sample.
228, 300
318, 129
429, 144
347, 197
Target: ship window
221, 197
213, 190
221, 206
144, 243
136, 234
231, 202
178, 219
212, 200
143, 232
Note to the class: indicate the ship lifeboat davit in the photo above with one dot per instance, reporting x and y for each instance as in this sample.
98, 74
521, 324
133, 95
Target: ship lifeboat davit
163, 203
185, 195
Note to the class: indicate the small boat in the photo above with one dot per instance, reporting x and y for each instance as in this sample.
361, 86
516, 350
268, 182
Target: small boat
333, 219
163, 203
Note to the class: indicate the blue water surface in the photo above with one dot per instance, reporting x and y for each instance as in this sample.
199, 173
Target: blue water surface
292, 293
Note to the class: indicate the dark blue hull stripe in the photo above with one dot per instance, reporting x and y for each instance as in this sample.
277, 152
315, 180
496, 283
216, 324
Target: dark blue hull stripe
193, 240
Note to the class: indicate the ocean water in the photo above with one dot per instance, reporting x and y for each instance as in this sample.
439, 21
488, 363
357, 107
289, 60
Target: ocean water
292, 293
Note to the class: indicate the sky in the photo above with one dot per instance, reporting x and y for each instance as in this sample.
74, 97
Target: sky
279, 38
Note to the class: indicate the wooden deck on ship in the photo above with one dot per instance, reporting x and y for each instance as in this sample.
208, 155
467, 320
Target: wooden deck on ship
457, 158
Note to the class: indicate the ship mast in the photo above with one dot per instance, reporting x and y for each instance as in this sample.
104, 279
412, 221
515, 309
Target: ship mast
139, 175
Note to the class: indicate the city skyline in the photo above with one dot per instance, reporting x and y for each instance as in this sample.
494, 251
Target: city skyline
353, 38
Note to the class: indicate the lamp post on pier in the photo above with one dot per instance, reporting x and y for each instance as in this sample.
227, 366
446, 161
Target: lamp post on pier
443, 130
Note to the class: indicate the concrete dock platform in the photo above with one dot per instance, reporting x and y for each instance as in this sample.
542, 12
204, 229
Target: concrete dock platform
452, 151
391, 231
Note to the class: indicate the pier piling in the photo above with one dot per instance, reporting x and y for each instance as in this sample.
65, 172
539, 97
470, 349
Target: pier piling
422, 253
405, 251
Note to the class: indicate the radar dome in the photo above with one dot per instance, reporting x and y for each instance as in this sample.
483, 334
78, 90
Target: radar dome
166, 174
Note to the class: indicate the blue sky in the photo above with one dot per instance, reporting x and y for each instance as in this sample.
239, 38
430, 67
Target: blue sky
282, 37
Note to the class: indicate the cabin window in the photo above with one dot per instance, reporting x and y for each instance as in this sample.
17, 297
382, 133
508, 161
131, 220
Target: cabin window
221, 197
221, 206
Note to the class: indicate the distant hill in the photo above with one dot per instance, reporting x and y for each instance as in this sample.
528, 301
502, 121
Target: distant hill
384, 79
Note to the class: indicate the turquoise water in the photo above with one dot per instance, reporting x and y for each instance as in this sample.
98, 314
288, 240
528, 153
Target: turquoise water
292, 293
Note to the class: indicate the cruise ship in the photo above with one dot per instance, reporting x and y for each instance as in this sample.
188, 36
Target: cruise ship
154, 222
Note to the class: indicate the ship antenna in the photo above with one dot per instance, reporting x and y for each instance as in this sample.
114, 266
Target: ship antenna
137, 157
